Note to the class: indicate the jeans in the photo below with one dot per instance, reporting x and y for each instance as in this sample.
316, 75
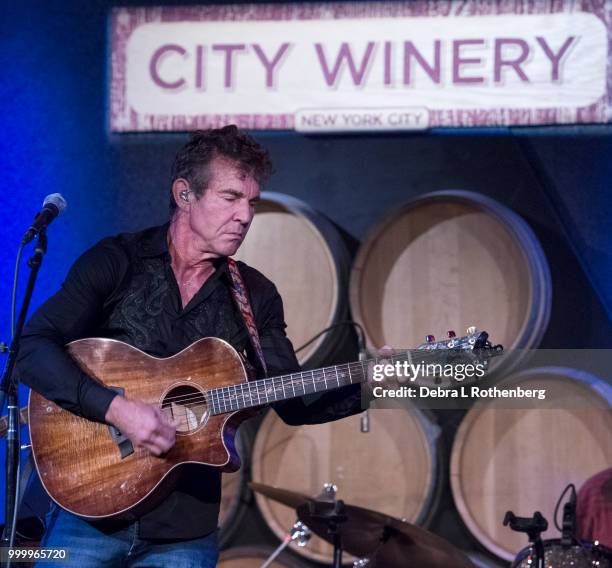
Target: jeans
89, 547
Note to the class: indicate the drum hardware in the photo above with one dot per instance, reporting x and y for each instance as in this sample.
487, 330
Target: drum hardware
566, 552
534, 527
331, 515
299, 533
579, 555
328, 493
325, 509
568, 528
374, 538
330, 511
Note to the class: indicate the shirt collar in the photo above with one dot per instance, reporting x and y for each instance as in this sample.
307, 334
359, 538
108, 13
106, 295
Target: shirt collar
154, 242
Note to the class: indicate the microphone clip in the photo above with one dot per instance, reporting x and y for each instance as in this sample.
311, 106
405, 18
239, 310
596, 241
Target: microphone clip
568, 533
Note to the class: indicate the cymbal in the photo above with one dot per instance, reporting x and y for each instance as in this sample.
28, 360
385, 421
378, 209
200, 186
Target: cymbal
292, 499
394, 543
391, 543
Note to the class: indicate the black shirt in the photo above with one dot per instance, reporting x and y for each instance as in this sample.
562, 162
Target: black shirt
124, 288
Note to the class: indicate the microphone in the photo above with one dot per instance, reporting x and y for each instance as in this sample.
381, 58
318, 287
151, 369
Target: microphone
53, 205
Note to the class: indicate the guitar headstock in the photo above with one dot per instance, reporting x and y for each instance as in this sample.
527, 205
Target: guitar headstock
475, 341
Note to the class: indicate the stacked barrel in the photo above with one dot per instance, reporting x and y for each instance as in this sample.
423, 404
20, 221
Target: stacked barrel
443, 261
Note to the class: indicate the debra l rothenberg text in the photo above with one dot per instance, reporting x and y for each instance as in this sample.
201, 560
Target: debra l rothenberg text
460, 392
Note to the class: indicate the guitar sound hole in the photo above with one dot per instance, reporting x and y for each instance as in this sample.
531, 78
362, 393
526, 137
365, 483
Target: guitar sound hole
187, 405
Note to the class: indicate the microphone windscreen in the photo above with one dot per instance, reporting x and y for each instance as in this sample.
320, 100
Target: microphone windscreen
57, 200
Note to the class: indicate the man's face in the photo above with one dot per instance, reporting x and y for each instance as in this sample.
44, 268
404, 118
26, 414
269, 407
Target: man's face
221, 217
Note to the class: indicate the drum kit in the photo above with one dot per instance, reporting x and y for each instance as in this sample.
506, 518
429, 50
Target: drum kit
566, 552
578, 555
381, 541
377, 540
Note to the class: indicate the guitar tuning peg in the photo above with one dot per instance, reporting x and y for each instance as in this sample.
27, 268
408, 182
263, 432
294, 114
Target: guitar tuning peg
472, 330
430, 338
450, 334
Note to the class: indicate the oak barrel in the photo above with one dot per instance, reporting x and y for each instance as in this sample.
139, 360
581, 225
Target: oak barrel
254, 557
521, 459
392, 468
448, 260
232, 504
236, 496
302, 252
481, 561
234, 490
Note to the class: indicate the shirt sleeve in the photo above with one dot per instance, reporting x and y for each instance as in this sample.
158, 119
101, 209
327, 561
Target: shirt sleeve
74, 312
280, 360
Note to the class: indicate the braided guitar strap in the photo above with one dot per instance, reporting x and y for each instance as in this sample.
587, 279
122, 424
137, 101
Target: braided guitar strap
239, 293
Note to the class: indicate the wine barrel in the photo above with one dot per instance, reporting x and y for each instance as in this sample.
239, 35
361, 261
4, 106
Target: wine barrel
481, 561
448, 260
392, 468
254, 557
235, 492
521, 459
304, 255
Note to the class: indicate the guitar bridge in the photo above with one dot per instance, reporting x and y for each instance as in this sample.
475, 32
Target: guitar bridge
123, 442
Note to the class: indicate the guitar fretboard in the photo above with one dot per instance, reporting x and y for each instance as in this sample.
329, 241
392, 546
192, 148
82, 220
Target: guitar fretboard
265, 391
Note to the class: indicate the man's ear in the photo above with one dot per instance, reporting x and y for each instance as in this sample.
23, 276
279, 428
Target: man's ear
181, 193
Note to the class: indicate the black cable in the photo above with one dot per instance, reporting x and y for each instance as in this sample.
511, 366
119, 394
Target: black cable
14, 294
354, 324
573, 488
13, 521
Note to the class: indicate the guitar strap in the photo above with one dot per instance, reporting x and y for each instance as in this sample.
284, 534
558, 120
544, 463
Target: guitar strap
239, 293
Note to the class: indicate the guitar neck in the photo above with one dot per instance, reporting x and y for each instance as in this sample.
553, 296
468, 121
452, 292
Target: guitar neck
284, 387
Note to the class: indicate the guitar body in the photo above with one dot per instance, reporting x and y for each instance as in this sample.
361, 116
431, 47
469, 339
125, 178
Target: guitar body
80, 463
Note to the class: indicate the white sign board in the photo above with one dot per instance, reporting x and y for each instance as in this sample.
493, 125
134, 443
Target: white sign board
355, 67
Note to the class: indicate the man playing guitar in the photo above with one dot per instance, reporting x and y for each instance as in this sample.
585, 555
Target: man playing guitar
160, 290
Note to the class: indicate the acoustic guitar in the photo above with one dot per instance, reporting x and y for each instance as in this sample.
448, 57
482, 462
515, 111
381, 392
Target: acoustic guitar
92, 470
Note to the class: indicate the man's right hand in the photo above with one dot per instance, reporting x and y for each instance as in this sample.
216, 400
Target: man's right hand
144, 424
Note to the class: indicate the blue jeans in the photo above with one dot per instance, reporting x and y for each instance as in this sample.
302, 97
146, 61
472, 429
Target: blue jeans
89, 547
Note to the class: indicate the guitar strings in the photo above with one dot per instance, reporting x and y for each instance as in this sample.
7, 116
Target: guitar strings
316, 375
183, 423
262, 388
206, 399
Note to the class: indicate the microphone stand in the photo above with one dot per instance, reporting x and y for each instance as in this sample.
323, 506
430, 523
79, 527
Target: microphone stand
534, 527
9, 390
